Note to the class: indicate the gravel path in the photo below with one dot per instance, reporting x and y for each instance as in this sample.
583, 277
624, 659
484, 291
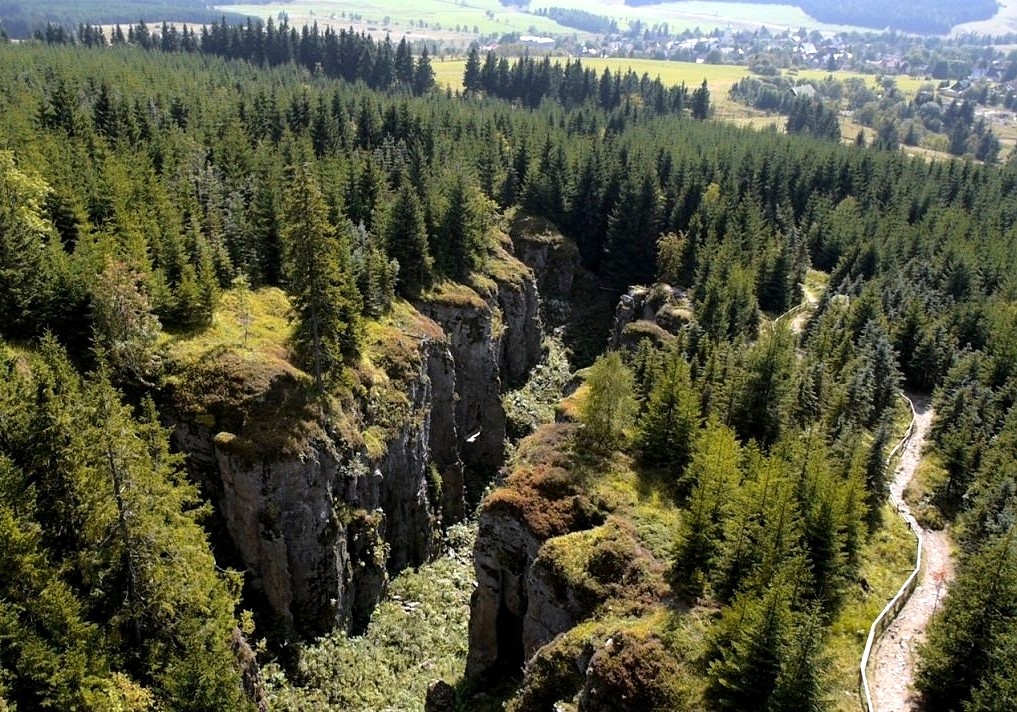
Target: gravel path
893, 661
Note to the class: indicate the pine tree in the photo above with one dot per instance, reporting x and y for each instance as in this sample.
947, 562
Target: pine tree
423, 74
459, 237
124, 327
667, 430
121, 528
977, 616
713, 478
404, 63
759, 405
25, 233
406, 241
749, 646
320, 280
701, 102
799, 685
632, 230
608, 406
471, 75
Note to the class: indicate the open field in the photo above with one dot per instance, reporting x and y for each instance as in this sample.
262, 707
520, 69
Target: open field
719, 77
1004, 21
490, 17
706, 15
423, 19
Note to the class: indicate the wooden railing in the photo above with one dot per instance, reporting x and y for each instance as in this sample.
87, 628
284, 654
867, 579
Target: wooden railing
889, 613
793, 310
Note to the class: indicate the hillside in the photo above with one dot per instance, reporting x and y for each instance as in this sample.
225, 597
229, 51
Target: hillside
283, 325
929, 18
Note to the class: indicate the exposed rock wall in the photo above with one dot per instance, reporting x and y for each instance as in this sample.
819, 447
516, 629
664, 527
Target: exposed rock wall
499, 604
444, 440
476, 350
308, 525
495, 340
656, 312
521, 603
319, 521
318, 511
553, 259
522, 331
562, 569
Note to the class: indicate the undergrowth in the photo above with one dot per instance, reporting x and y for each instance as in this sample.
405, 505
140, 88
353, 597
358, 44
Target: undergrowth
417, 635
535, 403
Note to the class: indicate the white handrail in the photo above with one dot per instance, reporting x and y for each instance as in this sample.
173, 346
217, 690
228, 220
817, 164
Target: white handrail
890, 611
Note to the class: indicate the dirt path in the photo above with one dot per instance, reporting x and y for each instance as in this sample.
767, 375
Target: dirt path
893, 661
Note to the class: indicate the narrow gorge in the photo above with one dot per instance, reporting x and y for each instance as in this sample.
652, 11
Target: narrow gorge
323, 507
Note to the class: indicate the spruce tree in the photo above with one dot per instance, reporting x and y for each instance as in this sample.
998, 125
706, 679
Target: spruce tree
471, 75
320, 280
406, 241
668, 427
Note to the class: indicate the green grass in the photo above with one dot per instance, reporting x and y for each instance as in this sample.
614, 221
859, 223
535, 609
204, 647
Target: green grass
258, 322
816, 283
719, 77
440, 16
920, 494
886, 560
489, 16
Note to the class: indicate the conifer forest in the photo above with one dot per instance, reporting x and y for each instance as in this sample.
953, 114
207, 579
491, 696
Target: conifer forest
325, 387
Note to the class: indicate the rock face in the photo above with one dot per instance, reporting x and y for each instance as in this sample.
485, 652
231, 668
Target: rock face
553, 259
308, 523
494, 341
656, 312
500, 602
476, 350
520, 603
563, 569
444, 440
322, 507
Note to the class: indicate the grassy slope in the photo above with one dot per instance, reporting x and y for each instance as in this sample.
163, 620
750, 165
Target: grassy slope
884, 563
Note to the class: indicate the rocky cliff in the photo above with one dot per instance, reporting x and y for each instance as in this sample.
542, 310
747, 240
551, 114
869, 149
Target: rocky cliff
658, 312
322, 500
554, 260
569, 559
494, 334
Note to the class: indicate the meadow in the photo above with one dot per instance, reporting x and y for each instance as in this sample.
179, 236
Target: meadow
443, 18
424, 19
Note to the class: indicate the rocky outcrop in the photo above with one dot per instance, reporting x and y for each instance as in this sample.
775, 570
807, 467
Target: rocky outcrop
552, 606
499, 603
518, 604
307, 524
522, 331
553, 259
323, 502
656, 312
562, 566
494, 334
476, 350
444, 440
321, 506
